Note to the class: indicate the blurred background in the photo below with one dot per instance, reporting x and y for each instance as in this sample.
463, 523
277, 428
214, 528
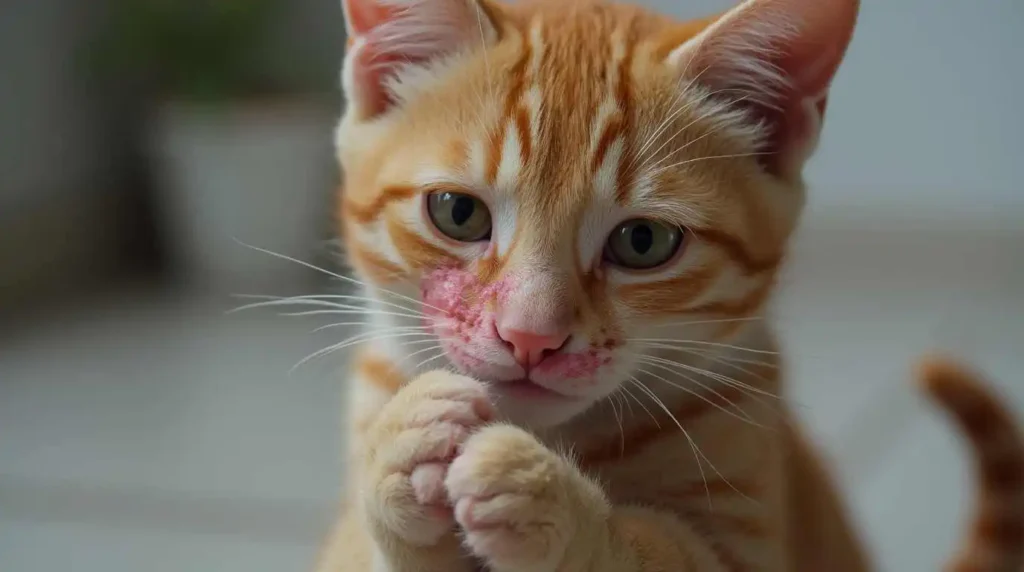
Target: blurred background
143, 428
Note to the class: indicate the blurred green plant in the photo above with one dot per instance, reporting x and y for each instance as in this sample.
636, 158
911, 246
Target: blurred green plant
201, 51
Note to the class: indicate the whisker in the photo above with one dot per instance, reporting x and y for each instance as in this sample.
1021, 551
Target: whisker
654, 418
701, 322
668, 365
612, 399
625, 399
341, 277
353, 310
696, 449
422, 351
752, 392
328, 297
709, 355
354, 340
709, 157
693, 446
693, 122
742, 416
340, 325
726, 379
665, 124
338, 347
323, 304
428, 360
701, 343
346, 324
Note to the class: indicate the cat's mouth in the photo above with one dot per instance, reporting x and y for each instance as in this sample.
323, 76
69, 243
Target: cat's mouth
524, 388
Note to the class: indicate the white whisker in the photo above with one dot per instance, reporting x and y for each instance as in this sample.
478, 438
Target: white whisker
752, 392
668, 341
353, 310
709, 354
641, 403
336, 275
355, 340
422, 351
428, 360
347, 324
682, 129
625, 399
709, 157
742, 416
667, 121
697, 454
702, 322
327, 297
690, 142
724, 378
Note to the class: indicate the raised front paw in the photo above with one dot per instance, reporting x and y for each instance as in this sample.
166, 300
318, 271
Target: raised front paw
520, 505
409, 448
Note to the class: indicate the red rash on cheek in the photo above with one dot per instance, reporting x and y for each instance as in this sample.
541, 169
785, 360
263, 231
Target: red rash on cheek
445, 290
460, 299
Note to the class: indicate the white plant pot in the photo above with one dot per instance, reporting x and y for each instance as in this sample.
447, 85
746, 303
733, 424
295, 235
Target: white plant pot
259, 174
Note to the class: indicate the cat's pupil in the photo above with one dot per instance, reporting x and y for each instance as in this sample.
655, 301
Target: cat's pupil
641, 239
462, 209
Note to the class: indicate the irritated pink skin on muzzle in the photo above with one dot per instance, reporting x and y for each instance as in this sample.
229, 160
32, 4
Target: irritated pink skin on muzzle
464, 314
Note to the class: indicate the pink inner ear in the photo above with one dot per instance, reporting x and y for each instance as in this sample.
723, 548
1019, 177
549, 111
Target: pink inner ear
372, 66
812, 55
783, 55
377, 58
388, 35
362, 16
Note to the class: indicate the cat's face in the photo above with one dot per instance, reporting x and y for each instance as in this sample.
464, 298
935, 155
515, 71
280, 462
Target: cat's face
564, 185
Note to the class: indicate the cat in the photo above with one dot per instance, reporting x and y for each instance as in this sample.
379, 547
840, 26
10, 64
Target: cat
568, 218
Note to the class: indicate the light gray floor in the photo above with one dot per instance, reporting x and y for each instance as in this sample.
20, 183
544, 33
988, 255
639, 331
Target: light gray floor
150, 432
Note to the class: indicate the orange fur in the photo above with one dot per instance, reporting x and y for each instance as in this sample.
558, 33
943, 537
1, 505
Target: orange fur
564, 119
996, 539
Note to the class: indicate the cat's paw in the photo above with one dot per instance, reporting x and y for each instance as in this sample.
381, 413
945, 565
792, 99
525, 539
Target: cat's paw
409, 448
515, 500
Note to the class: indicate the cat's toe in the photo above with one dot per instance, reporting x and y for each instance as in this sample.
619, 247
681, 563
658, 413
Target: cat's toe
507, 491
412, 444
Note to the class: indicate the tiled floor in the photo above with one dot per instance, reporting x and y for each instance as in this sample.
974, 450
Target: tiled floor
151, 432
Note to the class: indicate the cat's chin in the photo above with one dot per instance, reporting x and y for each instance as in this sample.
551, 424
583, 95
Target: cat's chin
528, 404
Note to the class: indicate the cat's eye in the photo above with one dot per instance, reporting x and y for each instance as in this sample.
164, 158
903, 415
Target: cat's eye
459, 216
642, 244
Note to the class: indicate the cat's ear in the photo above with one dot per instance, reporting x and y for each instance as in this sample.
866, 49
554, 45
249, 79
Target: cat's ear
389, 39
776, 58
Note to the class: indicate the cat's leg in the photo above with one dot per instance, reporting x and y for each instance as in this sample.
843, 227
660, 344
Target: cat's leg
407, 450
525, 508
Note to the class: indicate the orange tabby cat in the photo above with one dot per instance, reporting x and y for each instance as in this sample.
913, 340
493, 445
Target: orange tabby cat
581, 208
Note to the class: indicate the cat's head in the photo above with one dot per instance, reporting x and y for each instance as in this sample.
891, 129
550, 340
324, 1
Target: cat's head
559, 182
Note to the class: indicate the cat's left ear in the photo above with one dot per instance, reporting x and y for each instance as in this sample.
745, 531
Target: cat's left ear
776, 58
391, 41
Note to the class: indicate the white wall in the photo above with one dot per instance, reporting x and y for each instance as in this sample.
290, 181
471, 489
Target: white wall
927, 112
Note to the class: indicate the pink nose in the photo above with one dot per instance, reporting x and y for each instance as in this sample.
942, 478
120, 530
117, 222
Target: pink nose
529, 348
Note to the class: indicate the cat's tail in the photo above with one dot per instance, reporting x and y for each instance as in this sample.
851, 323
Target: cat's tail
995, 541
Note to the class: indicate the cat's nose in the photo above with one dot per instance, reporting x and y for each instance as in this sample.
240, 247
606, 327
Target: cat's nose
530, 348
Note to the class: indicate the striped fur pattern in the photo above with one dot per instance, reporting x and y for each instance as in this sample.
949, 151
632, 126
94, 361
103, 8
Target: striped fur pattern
524, 402
995, 541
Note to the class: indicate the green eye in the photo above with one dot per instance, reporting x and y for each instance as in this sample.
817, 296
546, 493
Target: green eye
641, 244
459, 216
